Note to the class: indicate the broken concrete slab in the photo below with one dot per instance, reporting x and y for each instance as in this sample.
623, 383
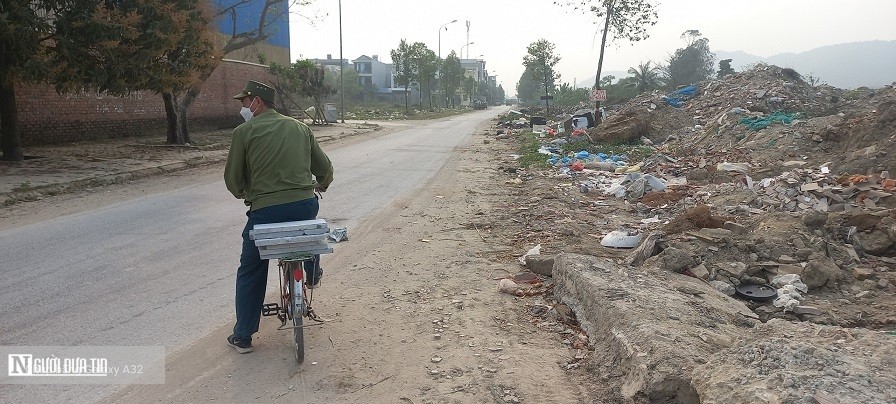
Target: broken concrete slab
540, 264
675, 339
794, 362
638, 317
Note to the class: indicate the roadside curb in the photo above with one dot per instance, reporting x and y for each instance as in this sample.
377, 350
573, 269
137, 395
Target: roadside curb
37, 192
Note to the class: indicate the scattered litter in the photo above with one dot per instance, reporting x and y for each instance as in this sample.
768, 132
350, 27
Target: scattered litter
621, 239
532, 251
338, 234
790, 289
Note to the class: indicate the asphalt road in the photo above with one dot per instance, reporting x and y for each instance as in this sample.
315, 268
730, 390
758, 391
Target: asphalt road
159, 270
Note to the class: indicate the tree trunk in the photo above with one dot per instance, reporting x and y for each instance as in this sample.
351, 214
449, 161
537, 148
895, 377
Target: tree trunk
407, 107
176, 114
178, 132
9, 123
171, 118
600, 63
183, 134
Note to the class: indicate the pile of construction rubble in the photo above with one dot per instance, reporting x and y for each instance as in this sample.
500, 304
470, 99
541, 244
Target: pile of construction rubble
775, 192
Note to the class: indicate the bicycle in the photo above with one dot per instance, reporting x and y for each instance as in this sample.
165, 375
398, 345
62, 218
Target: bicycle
297, 247
295, 300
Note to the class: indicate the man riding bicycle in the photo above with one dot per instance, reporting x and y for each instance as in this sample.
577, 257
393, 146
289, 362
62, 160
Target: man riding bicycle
272, 165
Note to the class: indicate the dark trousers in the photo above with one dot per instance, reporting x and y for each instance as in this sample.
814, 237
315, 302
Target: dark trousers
252, 275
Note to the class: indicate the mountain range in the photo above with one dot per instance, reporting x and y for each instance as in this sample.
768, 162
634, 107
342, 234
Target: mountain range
847, 65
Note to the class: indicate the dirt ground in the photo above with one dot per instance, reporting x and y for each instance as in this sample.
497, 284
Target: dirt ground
435, 329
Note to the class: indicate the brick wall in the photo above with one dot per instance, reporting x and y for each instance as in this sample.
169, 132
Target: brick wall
47, 118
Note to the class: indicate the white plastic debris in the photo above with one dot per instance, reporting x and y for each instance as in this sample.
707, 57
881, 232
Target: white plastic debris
621, 239
338, 234
789, 291
532, 251
739, 167
790, 279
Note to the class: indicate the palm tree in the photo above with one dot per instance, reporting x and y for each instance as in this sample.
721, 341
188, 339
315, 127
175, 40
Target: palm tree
646, 77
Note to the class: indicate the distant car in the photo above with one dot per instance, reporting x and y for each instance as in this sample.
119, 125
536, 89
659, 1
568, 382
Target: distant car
479, 104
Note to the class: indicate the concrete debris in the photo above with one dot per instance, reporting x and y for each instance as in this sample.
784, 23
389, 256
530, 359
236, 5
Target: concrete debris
758, 178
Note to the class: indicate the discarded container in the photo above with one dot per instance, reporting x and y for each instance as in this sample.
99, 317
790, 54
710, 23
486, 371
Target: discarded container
583, 119
538, 123
760, 293
537, 120
330, 112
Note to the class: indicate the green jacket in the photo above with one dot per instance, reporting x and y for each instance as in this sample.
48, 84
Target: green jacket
271, 160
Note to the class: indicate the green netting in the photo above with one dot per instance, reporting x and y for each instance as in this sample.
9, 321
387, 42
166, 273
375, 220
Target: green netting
760, 122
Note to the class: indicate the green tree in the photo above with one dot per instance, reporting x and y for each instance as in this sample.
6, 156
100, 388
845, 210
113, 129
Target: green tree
114, 46
452, 76
541, 59
302, 80
349, 85
724, 68
177, 102
567, 96
469, 88
646, 77
625, 19
622, 91
427, 66
485, 91
414, 64
405, 69
607, 80
25, 33
527, 86
120, 47
691, 64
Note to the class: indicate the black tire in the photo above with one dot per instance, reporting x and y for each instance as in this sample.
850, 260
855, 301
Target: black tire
297, 320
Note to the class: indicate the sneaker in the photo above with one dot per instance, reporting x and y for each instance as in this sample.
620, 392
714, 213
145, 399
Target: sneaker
242, 345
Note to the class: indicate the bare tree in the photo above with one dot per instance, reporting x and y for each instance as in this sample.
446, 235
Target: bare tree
627, 19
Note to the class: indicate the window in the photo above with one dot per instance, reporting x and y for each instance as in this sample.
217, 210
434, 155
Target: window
363, 67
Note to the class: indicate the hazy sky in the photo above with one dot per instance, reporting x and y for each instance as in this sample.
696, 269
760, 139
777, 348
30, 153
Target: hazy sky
501, 30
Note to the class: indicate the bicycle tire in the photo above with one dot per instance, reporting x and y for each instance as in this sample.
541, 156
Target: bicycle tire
297, 309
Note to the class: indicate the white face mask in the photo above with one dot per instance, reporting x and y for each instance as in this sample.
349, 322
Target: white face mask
247, 113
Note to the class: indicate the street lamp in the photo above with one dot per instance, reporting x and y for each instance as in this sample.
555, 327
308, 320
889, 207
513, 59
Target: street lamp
468, 49
440, 36
440, 48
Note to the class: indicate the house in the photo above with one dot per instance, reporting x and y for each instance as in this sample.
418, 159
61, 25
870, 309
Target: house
380, 78
474, 68
333, 65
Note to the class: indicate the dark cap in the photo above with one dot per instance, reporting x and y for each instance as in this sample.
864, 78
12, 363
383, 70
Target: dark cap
254, 88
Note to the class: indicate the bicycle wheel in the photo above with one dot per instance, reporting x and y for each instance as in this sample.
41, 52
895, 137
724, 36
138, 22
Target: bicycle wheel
297, 307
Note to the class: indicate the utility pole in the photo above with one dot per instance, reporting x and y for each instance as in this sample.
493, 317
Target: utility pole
468, 40
547, 97
341, 64
600, 62
439, 72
